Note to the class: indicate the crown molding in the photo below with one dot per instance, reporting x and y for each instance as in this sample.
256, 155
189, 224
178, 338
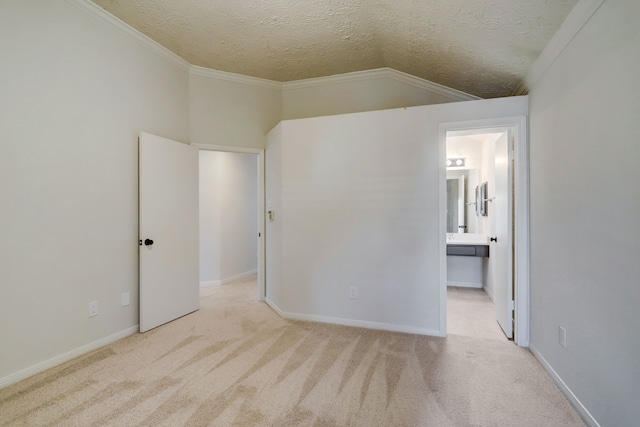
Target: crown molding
378, 73
97, 12
336, 78
577, 18
233, 77
423, 84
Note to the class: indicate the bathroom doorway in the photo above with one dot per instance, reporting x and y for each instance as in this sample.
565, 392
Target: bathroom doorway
484, 226
477, 182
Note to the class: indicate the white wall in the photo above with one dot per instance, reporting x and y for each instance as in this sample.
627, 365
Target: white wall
465, 271
273, 202
471, 149
360, 207
489, 222
76, 90
239, 214
585, 204
468, 147
488, 175
231, 110
228, 216
210, 217
78, 86
364, 91
234, 110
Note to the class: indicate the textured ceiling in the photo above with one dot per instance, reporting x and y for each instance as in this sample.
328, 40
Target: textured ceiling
483, 47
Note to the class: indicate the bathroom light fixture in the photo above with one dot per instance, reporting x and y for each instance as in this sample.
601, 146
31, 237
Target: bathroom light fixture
456, 162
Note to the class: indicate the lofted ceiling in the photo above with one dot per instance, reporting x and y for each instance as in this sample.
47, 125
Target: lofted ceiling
482, 47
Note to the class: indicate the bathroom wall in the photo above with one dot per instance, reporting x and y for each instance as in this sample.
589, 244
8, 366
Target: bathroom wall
469, 148
466, 271
466, 146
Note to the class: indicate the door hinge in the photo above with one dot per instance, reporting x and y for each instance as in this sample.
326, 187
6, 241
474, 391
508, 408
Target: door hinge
512, 306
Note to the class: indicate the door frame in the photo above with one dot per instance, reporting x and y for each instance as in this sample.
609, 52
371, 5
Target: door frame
261, 203
521, 217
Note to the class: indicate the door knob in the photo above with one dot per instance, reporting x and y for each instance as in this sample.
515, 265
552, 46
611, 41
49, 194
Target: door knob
493, 239
148, 242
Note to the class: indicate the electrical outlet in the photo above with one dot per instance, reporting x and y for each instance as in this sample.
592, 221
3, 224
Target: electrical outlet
353, 292
125, 299
93, 308
562, 336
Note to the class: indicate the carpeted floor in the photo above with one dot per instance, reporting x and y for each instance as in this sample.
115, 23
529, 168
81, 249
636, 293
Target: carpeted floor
237, 363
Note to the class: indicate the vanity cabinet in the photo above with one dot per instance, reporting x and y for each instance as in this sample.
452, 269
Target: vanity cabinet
466, 263
468, 250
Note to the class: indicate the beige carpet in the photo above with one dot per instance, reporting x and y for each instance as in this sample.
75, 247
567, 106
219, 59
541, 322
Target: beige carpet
236, 363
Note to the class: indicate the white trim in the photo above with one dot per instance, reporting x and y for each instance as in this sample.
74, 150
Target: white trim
477, 285
262, 251
57, 360
442, 226
577, 18
97, 12
521, 235
210, 283
100, 13
490, 293
228, 148
352, 323
378, 73
233, 77
573, 400
229, 279
262, 287
239, 276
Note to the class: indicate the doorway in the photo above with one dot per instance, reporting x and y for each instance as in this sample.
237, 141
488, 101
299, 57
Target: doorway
484, 228
477, 181
231, 215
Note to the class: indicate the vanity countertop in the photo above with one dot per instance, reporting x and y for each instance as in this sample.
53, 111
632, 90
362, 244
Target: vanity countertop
467, 239
476, 246
468, 243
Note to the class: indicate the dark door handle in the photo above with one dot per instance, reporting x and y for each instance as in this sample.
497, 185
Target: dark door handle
493, 239
148, 242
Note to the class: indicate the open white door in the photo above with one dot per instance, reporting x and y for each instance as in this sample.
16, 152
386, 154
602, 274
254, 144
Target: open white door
168, 223
501, 250
462, 221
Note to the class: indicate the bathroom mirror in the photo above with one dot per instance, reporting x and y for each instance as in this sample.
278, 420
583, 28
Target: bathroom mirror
461, 201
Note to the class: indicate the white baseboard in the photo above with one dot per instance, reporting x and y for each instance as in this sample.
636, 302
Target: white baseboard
210, 283
228, 279
353, 322
491, 295
465, 284
573, 400
57, 360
